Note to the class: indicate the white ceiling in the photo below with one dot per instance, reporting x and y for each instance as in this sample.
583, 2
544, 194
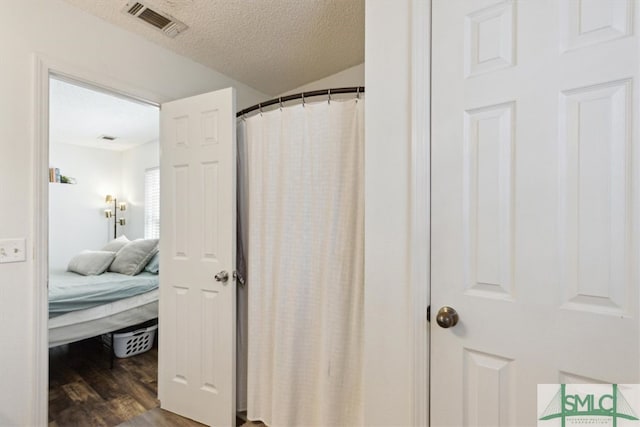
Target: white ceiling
270, 45
79, 116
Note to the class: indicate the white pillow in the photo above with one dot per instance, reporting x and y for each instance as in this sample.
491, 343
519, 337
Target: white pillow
132, 258
116, 244
91, 263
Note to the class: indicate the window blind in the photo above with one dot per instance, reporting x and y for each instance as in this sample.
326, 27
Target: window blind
152, 203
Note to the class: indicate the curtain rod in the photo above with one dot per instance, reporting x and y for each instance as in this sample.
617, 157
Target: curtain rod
301, 95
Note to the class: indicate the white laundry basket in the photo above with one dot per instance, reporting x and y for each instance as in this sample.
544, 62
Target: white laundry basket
131, 343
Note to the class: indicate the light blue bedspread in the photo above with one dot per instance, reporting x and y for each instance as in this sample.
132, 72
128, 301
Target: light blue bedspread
70, 291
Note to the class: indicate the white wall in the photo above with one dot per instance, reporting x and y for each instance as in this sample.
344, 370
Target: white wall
76, 212
353, 76
57, 30
134, 164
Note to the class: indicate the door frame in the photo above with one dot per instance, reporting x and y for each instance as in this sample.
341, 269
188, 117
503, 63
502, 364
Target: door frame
43, 68
420, 204
397, 226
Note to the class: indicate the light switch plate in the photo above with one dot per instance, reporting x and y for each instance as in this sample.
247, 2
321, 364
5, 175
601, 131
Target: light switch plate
13, 250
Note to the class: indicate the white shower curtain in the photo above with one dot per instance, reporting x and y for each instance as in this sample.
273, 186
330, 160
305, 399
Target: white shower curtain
301, 206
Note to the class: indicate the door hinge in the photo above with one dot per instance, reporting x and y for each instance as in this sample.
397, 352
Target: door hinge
428, 313
239, 278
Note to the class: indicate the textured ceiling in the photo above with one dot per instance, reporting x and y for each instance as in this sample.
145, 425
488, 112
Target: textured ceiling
270, 45
79, 116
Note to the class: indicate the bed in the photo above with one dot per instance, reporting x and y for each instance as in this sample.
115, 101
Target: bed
82, 307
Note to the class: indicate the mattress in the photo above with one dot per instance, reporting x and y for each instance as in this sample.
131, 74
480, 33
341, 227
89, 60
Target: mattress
90, 322
70, 292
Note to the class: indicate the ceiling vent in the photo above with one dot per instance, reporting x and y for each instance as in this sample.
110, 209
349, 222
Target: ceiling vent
107, 138
159, 20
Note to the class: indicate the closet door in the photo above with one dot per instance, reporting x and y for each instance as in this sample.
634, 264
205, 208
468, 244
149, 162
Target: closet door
535, 204
197, 344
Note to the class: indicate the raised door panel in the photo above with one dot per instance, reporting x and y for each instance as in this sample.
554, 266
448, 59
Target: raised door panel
488, 200
595, 142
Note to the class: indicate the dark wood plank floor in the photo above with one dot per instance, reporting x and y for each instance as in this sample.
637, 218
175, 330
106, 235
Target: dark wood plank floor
83, 391
157, 417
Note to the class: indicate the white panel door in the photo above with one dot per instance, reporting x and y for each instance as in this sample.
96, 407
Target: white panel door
196, 372
535, 202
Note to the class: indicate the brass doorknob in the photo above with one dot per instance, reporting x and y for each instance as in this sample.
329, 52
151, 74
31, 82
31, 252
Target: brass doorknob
447, 317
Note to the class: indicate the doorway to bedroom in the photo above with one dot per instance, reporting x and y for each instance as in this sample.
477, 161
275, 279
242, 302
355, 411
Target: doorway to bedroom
104, 194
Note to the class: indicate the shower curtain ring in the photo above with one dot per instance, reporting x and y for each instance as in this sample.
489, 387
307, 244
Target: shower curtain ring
329, 98
357, 93
280, 100
302, 99
260, 108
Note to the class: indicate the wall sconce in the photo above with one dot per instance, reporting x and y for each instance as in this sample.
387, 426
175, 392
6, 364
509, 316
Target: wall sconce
113, 213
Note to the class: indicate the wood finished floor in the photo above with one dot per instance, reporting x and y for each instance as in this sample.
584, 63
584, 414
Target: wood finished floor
83, 391
157, 417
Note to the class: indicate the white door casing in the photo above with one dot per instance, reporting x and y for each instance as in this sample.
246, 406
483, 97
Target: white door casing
196, 366
534, 209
